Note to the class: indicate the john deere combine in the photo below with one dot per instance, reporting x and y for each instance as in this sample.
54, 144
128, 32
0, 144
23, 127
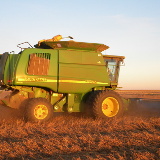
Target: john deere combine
61, 76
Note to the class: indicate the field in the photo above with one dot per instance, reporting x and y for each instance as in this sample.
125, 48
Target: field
134, 136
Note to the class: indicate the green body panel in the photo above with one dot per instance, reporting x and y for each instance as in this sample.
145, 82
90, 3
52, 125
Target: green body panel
69, 102
48, 81
74, 102
80, 71
10, 68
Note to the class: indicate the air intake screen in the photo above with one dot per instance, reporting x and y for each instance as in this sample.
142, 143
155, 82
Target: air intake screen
38, 63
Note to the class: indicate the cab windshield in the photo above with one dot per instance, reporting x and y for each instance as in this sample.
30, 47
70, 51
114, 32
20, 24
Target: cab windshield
111, 65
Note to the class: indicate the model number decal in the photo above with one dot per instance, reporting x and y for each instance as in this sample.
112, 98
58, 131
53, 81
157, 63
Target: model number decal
29, 79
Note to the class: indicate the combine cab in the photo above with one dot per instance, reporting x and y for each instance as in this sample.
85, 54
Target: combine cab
61, 76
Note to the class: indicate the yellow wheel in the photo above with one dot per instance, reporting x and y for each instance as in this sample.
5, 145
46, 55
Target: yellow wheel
40, 111
104, 104
110, 106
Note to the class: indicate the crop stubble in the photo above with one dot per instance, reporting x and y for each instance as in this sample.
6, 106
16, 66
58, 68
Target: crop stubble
72, 136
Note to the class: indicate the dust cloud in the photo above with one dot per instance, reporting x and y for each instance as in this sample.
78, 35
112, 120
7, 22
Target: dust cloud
9, 114
145, 109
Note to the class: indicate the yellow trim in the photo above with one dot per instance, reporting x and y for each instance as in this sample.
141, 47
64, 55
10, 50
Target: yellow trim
86, 81
61, 81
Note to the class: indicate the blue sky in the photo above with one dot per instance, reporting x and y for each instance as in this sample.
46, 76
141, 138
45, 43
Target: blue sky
130, 27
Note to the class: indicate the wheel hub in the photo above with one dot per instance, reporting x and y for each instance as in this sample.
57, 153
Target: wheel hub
110, 107
105, 106
40, 111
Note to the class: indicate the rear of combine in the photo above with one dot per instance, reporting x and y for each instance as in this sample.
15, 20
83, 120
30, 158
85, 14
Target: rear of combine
61, 76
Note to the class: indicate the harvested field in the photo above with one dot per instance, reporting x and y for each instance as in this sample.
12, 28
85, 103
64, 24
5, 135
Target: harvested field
144, 94
134, 136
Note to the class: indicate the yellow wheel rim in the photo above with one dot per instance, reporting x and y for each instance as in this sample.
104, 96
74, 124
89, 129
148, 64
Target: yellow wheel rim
40, 111
110, 107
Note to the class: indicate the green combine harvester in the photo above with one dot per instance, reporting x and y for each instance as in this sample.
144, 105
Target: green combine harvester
61, 76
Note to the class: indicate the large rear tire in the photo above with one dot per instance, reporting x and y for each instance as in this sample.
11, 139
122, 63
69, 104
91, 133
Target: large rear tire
105, 104
38, 110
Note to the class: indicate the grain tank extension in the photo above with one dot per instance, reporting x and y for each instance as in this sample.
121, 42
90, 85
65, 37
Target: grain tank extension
61, 76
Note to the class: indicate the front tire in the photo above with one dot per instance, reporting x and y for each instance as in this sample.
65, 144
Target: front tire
106, 104
38, 110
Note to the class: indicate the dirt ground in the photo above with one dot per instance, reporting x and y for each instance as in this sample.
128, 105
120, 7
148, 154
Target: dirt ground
135, 136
